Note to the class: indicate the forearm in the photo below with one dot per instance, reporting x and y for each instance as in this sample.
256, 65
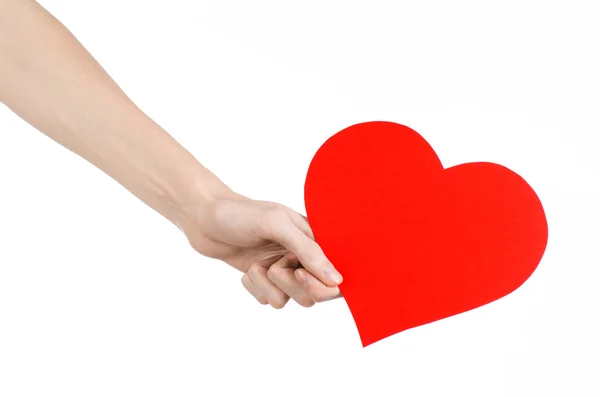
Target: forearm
52, 82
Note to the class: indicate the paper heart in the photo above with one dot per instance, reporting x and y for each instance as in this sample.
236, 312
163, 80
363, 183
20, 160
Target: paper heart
415, 242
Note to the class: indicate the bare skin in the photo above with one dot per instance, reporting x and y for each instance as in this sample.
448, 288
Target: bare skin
50, 80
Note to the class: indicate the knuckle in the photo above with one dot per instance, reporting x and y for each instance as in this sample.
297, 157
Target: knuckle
273, 217
274, 273
275, 213
316, 260
278, 303
279, 300
306, 303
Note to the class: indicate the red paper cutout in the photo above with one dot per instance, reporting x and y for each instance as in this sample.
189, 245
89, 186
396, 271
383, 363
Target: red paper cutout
415, 242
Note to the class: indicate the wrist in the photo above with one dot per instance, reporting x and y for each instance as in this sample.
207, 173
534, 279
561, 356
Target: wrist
159, 171
189, 189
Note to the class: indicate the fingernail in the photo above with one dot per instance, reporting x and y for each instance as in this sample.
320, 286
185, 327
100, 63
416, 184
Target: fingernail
302, 277
333, 276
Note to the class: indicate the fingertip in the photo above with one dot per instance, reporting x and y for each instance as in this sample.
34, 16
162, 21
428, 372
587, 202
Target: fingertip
323, 269
278, 305
332, 277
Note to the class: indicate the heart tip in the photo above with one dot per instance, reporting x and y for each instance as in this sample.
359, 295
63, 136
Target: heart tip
366, 343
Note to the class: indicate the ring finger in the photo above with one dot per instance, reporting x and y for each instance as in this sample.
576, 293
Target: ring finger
274, 296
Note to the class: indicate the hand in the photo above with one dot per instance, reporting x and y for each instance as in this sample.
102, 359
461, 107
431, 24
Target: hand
271, 244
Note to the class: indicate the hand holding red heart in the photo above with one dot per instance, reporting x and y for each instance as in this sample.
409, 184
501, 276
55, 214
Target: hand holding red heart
267, 242
416, 242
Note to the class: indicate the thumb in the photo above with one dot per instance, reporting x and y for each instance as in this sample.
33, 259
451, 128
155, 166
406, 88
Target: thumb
301, 222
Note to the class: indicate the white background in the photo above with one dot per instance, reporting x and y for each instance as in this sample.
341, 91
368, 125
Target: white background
100, 296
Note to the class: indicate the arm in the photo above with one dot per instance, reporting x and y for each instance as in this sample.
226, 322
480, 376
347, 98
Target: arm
52, 82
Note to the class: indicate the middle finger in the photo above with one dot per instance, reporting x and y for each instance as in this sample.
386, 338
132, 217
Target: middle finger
282, 275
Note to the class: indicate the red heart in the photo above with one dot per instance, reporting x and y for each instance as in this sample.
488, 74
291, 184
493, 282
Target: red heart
415, 242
